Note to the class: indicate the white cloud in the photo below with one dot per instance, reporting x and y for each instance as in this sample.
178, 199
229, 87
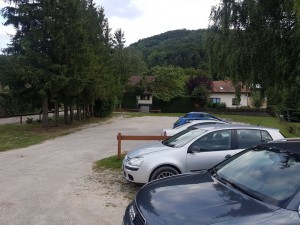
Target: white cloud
144, 18
159, 16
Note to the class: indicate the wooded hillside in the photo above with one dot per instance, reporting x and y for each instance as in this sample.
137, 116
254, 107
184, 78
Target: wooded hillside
180, 48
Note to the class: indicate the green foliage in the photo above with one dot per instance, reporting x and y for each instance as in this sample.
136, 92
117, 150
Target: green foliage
257, 99
221, 105
111, 162
169, 82
200, 95
176, 105
129, 102
180, 48
29, 120
104, 108
62, 51
256, 42
15, 136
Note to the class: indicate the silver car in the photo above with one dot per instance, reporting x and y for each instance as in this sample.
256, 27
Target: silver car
192, 150
171, 132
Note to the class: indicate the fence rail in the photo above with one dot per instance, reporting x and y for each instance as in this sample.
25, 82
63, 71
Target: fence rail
121, 137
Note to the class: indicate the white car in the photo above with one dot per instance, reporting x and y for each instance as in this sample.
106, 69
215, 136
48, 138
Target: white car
192, 150
172, 131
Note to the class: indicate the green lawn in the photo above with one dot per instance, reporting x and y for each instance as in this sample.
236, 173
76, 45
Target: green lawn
15, 136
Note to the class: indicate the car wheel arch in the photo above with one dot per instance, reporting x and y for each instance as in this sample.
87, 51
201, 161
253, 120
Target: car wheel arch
162, 166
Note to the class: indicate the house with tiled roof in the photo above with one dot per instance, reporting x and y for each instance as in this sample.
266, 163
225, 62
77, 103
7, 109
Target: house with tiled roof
224, 92
144, 100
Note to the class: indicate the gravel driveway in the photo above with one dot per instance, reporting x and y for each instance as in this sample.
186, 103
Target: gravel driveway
53, 183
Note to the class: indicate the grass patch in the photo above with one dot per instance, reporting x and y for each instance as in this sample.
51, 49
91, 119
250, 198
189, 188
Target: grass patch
111, 163
15, 136
266, 121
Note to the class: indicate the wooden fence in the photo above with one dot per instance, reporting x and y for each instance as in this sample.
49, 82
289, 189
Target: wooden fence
121, 137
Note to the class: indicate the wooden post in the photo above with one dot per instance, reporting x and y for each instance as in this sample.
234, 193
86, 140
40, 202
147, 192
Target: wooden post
119, 145
136, 138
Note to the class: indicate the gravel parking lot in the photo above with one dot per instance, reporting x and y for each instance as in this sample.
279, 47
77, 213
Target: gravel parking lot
53, 183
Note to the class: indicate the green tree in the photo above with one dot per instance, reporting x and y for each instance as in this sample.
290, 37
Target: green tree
64, 54
255, 42
169, 82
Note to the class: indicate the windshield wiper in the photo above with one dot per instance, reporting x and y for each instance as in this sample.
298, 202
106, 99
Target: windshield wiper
217, 176
243, 190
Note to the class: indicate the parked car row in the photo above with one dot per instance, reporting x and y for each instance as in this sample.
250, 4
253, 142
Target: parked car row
196, 148
260, 185
195, 116
225, 174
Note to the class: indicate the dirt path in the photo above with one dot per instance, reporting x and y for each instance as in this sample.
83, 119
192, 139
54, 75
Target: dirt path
53, 183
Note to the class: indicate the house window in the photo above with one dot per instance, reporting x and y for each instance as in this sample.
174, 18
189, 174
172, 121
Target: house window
215, 100
235, 101
145, 97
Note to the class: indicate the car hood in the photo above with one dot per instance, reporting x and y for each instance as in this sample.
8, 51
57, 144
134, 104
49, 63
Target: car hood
194, 199
149, 148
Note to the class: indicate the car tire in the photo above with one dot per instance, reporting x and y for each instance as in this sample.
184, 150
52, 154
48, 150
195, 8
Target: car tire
162, 172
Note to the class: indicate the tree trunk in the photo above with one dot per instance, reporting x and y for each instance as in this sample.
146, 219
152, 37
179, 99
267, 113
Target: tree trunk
71, 113
45, 112
88, 111
78, 111
56, 113
92, 111
84, 112
66, 114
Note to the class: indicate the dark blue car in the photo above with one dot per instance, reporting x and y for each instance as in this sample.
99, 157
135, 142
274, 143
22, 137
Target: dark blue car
260, 185
194, 116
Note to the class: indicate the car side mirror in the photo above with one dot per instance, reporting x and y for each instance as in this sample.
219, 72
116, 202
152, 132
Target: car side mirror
195, 149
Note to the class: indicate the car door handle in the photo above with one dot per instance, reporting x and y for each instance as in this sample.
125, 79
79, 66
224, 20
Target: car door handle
227, 156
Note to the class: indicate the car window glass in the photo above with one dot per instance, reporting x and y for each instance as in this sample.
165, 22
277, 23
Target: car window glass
183, 137
248, 138
271, 173
215, 141
265, 136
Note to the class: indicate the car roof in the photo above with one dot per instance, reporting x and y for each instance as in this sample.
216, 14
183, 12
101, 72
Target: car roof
231, 126
289, 144
205, 121
197, 113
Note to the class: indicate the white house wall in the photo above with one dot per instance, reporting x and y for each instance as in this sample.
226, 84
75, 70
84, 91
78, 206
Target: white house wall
144, 102
227, 99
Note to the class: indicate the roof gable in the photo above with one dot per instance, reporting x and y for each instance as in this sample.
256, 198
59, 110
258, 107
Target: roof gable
226, 86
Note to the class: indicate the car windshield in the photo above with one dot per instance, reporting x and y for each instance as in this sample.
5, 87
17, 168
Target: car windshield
267, 174
183, 137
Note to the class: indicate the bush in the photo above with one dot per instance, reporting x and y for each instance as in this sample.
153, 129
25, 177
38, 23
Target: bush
177, 105
29, 120
103, 108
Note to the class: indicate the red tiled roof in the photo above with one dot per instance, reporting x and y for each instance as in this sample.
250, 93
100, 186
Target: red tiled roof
225, 86
133, 80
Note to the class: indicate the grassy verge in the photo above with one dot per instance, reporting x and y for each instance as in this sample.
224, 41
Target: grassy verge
267, 121
15, 136
111, 163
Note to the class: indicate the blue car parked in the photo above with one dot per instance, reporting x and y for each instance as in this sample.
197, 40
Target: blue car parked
194, 116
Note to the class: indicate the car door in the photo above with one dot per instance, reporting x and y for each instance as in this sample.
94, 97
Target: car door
247, 138
209, 150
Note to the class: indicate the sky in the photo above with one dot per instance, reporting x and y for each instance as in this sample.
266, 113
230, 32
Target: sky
140, 19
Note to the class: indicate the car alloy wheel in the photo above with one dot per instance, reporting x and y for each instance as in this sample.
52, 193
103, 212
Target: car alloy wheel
162, 172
